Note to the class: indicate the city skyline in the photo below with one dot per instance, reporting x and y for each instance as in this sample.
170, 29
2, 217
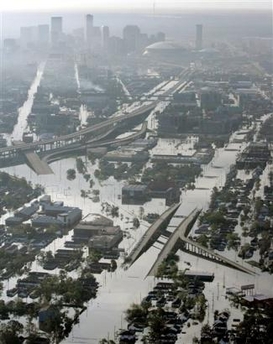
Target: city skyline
136, 172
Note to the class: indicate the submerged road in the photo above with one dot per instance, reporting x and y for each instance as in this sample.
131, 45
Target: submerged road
147, 106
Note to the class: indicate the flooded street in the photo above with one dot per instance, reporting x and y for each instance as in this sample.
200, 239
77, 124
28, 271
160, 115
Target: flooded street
174, 100
118, 290
105, 314
25, 110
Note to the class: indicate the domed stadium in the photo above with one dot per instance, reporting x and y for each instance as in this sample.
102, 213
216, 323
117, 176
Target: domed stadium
164, 47
168, 51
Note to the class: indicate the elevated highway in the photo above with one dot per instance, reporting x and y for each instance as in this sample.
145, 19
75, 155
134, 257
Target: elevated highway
79, 134
179, 240
39, 166
72, 142
152, 234
173, 240
66, 143
97, 142
124, 140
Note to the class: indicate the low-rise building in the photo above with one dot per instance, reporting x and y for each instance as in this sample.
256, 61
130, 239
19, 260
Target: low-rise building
13, 221
57, 213
168, 190
136, 194
45, 221
256, 154
26, 212
106, 239
86, 229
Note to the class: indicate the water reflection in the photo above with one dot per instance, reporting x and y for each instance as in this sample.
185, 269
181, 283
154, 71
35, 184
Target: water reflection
25, 110
119, 289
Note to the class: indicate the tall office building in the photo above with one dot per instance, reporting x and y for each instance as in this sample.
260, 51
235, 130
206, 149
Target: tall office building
131, 36
160, 37
89, 29
43, 34
93, 37
56, 30
28, 35
105, 37
116, 45
199, 37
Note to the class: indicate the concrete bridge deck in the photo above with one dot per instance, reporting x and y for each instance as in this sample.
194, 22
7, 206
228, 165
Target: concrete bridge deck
178, 239
173, 240
152, 234
124, 140
39, 166
196, 249
93, 143
78, 134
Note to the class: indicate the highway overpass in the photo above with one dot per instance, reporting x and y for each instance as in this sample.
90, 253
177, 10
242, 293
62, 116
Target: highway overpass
179, 240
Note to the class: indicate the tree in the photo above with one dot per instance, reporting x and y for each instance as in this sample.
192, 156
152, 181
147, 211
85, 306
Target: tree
94, 256
203, 240
87, 176
256, 327
233, 241
113, 265
201, 305
10, 332
32, 331
19, 307
44, 256
157, 325
135, 312
115, 211
52, 229
71, 174
136, 222
80, 166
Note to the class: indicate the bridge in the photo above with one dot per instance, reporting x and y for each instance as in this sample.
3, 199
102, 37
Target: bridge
173, 240
13, 154
39, 166
152, 234
33, 160
179, 240
122, 141
60, 141
68, 142
93, 143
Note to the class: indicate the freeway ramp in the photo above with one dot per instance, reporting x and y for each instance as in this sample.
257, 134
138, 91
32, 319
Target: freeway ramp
171, 244
39, 166
179, 240
152, 234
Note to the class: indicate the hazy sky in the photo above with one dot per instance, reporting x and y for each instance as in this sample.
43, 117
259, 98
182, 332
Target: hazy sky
131, 5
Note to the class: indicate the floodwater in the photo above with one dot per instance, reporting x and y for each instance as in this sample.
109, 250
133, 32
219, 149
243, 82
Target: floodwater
105, 315
25, 110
